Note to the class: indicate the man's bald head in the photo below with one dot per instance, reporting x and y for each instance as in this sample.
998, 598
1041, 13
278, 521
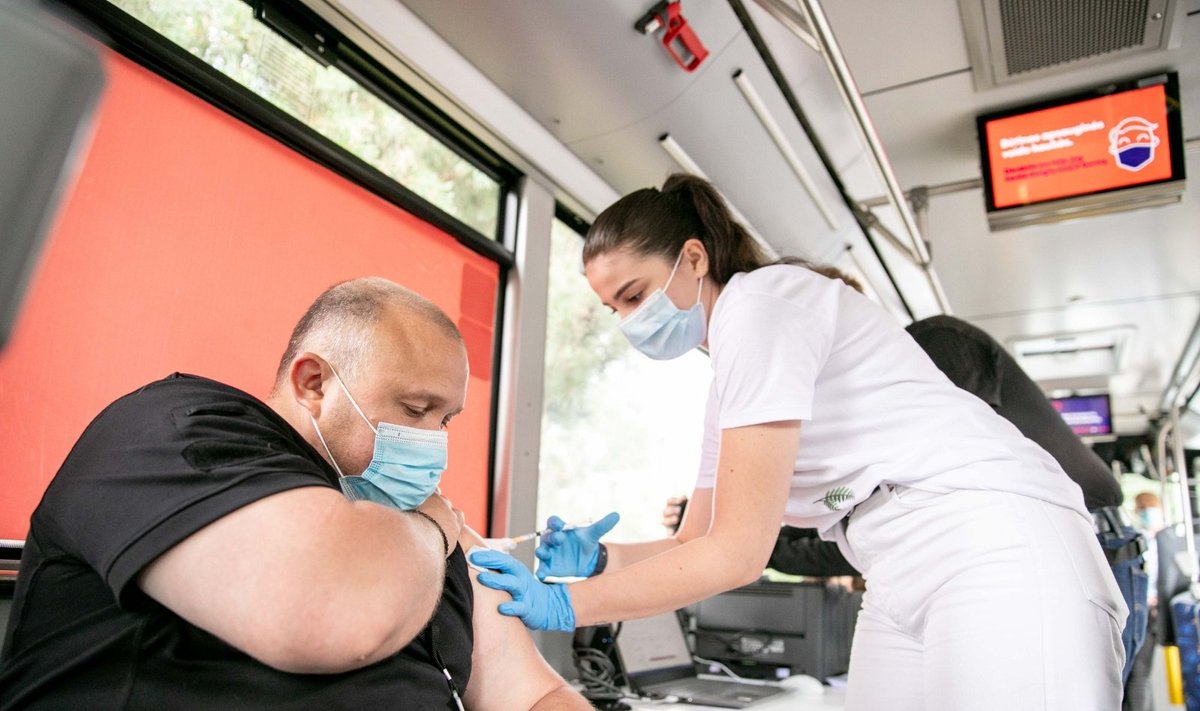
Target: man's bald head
342, 322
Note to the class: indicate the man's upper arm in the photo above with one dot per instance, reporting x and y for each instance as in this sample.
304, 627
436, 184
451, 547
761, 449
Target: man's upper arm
288, 580
507, 671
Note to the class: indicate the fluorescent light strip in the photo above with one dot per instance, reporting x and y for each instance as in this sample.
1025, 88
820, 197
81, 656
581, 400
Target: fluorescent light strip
785, 147
685, 161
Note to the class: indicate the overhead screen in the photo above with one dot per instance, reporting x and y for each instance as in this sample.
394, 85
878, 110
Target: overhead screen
1113, 148
1086, 415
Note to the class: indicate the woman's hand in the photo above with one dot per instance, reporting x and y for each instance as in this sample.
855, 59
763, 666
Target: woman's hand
541, 606
672, 513
571, 553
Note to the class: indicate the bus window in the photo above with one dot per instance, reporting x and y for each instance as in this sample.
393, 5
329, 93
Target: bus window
226, 36
620, 432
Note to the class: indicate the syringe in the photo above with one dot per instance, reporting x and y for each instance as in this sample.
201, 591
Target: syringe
508, 544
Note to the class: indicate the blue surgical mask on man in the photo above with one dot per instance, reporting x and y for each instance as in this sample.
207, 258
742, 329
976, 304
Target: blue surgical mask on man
406, 465
662, 330
1151, 519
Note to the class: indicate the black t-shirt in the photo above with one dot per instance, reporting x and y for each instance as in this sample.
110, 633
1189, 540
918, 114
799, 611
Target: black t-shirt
975, 362
153, 468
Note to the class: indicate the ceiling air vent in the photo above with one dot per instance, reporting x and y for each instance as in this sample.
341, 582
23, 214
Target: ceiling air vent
1069, 356
1013, 40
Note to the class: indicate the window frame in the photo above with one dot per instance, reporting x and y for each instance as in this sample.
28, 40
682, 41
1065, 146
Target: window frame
137, 41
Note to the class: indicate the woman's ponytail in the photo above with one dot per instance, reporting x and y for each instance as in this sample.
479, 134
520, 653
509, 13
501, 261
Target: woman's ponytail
730, 247
650, 221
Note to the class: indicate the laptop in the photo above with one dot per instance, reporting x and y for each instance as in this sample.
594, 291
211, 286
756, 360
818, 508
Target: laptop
657, 662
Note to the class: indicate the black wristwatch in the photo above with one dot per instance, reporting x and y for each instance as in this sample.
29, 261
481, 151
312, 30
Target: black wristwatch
601, 560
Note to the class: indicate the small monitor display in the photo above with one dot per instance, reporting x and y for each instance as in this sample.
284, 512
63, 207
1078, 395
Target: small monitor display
1087, 415
653, 643
1114, 147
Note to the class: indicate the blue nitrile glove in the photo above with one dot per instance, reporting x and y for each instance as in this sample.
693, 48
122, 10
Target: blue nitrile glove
541, 606
573, 553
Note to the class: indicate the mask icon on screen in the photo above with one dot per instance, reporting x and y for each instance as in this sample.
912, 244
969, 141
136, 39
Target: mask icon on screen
1132, 143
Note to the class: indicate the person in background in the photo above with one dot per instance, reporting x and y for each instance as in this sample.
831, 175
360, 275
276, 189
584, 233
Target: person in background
200, 548
824, 414
1139, 696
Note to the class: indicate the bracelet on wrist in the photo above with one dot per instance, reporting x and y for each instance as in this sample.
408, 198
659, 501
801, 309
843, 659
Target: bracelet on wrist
438, 526
601, 560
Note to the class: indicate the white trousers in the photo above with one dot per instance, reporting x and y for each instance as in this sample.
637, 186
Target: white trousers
981, 601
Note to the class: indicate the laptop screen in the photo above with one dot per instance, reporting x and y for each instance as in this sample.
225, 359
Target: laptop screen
653, 649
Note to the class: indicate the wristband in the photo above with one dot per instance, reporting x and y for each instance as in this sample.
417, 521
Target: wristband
438, 526
601, 560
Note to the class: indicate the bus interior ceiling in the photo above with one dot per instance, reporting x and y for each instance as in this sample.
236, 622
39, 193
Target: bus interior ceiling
610, 95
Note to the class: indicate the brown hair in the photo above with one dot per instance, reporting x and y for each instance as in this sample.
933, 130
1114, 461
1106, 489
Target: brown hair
657, 222
826, 270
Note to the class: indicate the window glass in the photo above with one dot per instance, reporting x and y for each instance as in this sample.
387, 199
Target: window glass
620, 432
225, 35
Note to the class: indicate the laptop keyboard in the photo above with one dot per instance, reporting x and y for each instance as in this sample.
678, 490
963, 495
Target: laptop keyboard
711, 688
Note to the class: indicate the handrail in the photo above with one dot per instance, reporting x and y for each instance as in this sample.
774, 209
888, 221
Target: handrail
836, 62
1189, 529
1185, 367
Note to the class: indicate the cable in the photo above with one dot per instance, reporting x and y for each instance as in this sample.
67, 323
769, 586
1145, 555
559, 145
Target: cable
598, 675
744, 679
727, 670
598, 672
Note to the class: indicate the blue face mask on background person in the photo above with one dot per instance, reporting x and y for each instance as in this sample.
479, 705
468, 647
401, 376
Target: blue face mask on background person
1151, 518
405, 467
662, 330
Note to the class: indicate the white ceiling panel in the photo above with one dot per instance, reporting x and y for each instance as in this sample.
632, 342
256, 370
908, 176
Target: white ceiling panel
927, 34
578, 68
1146, 253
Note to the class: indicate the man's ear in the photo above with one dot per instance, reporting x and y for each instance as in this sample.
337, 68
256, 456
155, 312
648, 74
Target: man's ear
306, 379
696, 256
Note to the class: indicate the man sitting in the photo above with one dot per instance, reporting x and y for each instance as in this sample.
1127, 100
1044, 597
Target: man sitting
201, 549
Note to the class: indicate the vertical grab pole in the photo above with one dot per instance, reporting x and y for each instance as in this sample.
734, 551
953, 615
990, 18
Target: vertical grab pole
1189, 531
1160, 452
1172, 664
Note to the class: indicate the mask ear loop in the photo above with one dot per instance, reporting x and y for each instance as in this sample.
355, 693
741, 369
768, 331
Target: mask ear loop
352, 401
673, 270
699, 289
322, 438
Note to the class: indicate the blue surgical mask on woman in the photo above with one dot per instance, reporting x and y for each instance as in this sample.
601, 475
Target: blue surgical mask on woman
405, 467
662, 330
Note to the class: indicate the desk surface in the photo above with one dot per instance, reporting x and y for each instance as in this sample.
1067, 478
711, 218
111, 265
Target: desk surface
794, 699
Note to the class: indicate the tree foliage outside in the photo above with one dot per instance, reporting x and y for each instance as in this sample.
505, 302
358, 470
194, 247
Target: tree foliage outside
581, 335
225, 35
620, 432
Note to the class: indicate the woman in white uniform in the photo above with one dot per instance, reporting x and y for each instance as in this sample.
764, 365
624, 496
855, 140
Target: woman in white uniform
986, 588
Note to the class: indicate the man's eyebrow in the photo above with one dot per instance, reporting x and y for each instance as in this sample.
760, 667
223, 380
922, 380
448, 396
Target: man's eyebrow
430, 399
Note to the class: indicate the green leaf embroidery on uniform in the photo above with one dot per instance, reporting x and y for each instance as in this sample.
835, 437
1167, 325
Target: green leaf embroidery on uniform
836, 497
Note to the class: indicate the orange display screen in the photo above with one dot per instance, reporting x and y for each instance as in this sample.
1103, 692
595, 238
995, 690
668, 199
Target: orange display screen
1114, 141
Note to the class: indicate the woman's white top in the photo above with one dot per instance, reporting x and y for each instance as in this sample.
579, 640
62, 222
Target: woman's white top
787, 343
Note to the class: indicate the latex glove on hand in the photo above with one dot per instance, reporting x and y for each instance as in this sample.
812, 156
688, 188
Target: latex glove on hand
541, 606
572, 553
